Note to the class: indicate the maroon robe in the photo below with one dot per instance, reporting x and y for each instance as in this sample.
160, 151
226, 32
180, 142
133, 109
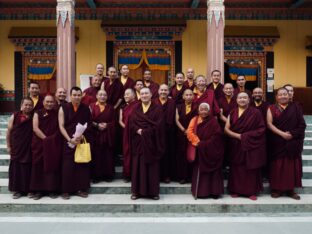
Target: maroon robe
89, 95
207, 176
218, 92
285, 156
75, 176
46, 153
188, 86
129, 84
115, 91
226, 106
126, 113
237, 91
39, 104
146, 149
263, 108
208, 97
103, 166
154, 89
176, 94
247, 155
167, 164
183, 167
20, 161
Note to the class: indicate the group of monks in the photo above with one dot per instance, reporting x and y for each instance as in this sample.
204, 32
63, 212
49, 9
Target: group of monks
191, 132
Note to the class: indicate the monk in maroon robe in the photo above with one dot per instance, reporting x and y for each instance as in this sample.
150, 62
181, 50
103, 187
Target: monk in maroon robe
176, 91
227, 103
241, 82
34, 94
190, 81
202, 94
247, 150
75, 176
18, 139
124, 115
147, 147
127, 82
60, 97
205, 134
138, 85
259, 103
89, 94
215, 85
286, 136
167, 164
103, 139
45, 126
147, 79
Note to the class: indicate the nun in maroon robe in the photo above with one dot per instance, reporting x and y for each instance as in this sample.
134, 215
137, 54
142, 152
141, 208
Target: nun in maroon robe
247, 155
167, 164
45, 174
75, 176
19, 146
103, 140
147, 147
205, 134
127, 111
285, 162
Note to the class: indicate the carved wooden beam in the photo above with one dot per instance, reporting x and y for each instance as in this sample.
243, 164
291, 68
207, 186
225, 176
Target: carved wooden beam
91, 4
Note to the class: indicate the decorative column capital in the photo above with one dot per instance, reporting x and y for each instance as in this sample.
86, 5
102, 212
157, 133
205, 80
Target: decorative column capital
215, 8
64, 9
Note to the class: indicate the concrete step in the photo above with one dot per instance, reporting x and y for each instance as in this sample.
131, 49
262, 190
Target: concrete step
170, 203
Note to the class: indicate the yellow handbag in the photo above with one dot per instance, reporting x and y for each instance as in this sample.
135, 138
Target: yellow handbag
83, 152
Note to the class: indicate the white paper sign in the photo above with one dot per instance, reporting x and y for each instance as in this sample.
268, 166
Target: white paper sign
270, 72
85, 81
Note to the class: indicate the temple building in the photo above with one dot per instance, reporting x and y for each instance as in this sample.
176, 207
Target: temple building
58, 42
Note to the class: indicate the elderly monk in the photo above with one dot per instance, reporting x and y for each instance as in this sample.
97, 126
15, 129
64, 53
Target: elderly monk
103, 139
241, 83
138, 85
259, 103
205, 134
113, 88
215, 84
202, 94
247, 150
184, 113
287, 126
190, 81
60, 97
147, 79
45, 127
18, 139
89, 94
99, 70
124, 116
176, 91
127, 82
147, 146
167, 164
75, 176
226, 103
34, 94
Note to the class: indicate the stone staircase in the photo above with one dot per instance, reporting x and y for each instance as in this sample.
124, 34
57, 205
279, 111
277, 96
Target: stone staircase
112, 200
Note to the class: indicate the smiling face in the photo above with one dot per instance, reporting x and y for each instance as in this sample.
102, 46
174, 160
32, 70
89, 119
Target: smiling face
201, 83
242, 100
60, 94
129, 95
179, 79
257, 94
95, 82
282, 96
215, 77
146, 95
101, 96
124, 70
75, 96
228, 90
138, 85
99, 69
203, 110
163, 91
34, 90
147, 76
290, 90
241, 81
27, 106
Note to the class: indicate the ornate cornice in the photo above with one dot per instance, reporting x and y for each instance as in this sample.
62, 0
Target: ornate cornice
215, 10
65, 9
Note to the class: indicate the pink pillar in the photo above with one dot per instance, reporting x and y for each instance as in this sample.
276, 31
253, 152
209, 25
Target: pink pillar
66, 66
215, 37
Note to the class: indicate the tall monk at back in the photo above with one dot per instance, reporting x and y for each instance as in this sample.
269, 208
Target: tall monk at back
205, 134
127, 82
215, 84
202, 94
241, 83
44, 178
190, 80
184, 113
89, 94
75, 176
147, 146
18, 140
102, 132
124, 116
149, 83
259, 103
287, 127
167, 164
34, 94
247, 150
60, 97
227, 103
138, 85
176, 91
